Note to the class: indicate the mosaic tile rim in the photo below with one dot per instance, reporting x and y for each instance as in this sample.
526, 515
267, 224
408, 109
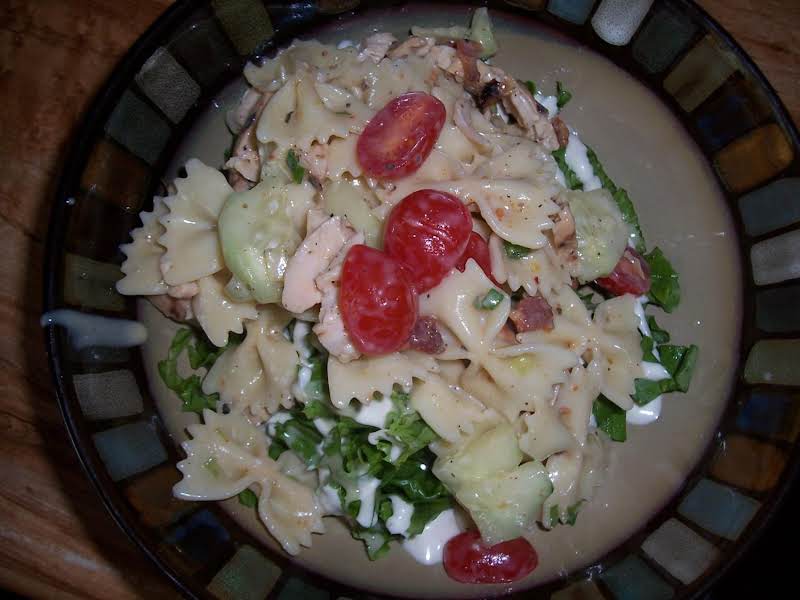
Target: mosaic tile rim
93, 129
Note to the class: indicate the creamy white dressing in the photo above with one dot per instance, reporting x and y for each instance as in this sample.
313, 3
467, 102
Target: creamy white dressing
428, 546
329, 500
279, 417
638, 310
324, 426
549, 102
93, 330
300, 333
400, 520
345, 44
644, 415
367, 486
303, 379
374, 413
376, 436
578, 161
654, 371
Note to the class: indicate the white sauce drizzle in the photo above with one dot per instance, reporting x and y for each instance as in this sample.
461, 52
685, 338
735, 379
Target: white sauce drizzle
428, 546
374, 413
367, 486
93, 330
376, 436
324, 426
644, 415
279, 417
549, 102
578, 161
400, 520
329, 500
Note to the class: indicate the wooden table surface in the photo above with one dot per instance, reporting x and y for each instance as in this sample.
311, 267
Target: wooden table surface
56, 539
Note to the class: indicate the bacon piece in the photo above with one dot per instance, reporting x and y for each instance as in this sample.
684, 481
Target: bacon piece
468, 53
562, 132
532, 313
630, 276
426, 336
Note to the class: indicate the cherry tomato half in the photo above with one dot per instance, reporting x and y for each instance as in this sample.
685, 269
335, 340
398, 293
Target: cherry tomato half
400, 137
478, 249
427, 232
630, 276
377, 300
469, 560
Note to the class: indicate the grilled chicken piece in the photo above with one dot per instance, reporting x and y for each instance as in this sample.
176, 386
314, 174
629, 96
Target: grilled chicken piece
310, 260
330, 329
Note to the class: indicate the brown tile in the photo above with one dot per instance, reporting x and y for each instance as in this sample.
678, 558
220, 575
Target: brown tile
754, 158
748, 463
151, 495
115, 175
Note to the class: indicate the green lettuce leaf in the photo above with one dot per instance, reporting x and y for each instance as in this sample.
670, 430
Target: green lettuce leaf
665, 290
296, 170
515, 251
188, 389
610, 418
376, 540
562, 95
248, 498
660, 336
622, 199
425, 512
570, 176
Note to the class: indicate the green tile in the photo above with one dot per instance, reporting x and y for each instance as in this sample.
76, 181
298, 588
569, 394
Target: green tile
138, 127
632, 579
246, 22
699, 73
90, 283
129, 449
771, 207
247, 576
777, 309
719, 509
666, 33
168, 85
299, 589
574, 11
108, 395
774, 362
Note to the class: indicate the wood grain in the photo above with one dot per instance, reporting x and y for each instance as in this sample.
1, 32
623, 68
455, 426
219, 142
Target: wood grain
56, 539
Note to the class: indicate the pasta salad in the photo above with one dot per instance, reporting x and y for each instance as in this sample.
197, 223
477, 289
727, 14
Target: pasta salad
415, 301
